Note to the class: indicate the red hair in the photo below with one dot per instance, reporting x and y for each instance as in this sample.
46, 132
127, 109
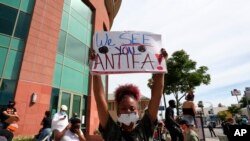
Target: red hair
127, 90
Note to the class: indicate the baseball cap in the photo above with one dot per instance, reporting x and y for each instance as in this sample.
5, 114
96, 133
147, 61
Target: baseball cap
64, 107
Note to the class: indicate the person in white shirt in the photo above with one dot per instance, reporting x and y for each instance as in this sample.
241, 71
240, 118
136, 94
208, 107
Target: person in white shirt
74, 133
60, 123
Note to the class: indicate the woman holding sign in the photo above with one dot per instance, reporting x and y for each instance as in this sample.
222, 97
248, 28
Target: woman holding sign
129, 126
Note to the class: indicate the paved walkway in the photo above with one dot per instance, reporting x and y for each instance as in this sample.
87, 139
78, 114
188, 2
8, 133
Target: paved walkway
212, 139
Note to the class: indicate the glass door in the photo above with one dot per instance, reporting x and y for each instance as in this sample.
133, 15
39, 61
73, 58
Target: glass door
73, 101
76, 108
65, 100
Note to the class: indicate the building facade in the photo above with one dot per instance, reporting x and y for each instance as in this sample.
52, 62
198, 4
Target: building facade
44, 63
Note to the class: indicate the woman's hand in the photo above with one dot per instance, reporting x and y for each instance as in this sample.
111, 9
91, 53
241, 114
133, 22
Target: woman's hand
164, 53
92, 54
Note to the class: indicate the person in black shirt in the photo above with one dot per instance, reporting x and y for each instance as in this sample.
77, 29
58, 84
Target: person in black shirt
46, 129
131, 127
172, 126
5, 133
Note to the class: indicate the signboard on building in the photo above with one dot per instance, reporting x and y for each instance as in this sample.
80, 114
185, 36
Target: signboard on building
235, 92
127, 52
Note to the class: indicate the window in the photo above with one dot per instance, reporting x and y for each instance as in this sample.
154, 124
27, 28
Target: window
3, 54
62, 40
7, 90
22, 27
72, 80
7, 19
57, 75
75, 49
13, 63
54, 100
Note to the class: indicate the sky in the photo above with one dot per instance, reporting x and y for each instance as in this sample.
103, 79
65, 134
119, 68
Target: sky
215, 33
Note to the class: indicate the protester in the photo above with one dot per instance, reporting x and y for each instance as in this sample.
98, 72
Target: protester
159, 134
170, 123
9, 115
72, 133
131, 127
211, 129
188, 109
226, 128
189, 133
46, 129
60, 123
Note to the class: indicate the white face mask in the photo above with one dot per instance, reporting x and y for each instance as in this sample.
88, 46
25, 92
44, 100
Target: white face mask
128, 118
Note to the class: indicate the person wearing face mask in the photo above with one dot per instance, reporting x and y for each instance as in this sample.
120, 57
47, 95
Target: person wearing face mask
74, 132
170, 123
130, 127
60, 124
9, 115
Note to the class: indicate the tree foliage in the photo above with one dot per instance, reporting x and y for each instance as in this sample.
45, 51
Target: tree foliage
243, 102
223, 115
234, 110
183, 75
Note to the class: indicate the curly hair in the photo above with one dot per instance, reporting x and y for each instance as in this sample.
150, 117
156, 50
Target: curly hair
127, 90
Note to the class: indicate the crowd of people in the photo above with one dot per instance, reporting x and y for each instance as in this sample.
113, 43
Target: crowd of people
58, 128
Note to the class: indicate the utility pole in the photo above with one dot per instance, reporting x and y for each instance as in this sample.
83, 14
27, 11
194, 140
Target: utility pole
247, 95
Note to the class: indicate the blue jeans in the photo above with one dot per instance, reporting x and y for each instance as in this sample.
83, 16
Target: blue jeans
44, 133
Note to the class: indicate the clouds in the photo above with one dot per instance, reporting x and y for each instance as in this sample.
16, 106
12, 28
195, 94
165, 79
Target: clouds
214, 33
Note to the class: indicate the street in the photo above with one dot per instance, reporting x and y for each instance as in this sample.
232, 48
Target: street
218, 132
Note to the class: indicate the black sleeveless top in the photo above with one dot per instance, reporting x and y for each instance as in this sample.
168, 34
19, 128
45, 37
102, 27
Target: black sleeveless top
188, 111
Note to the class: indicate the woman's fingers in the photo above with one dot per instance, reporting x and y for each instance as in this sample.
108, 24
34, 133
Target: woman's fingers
164, 53
92, 54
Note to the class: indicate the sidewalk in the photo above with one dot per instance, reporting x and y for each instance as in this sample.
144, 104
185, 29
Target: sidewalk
212, 139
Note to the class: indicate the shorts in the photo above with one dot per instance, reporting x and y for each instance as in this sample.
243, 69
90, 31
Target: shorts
189, 119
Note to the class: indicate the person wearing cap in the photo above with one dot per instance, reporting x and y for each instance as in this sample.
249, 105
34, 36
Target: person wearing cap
188, 132
60, 123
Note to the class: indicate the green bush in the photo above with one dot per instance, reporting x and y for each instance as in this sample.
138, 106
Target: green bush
24, 138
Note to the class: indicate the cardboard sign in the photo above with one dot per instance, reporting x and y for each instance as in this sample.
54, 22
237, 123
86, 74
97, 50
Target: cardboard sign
127, 52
